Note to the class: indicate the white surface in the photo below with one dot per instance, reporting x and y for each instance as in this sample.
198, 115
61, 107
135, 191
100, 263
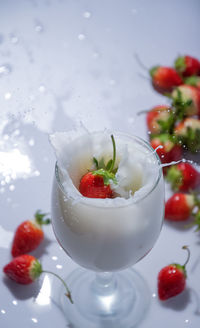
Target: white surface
62, 62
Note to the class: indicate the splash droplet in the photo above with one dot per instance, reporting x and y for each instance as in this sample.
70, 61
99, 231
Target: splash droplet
59, 266
54, 258
42, 88
31, 142
39, 27
7, 96
86, 14
81, 37
12, 187
14, 39
5, 69
37, 173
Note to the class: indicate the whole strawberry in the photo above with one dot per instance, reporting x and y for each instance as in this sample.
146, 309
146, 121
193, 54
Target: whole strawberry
183, 177
158, 119
179, 207
186, 98
172, 279
25, 269
187, 65
96, 184
168, 150
29, 235
165, 79
188, 133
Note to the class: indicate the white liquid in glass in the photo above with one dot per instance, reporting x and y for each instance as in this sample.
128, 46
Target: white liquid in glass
107, 234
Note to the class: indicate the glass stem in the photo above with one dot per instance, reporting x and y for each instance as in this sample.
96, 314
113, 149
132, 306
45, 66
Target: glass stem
105, 283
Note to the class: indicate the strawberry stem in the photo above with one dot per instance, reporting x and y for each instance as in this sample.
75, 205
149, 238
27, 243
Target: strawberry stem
114, 154
188, 256
39, 218
68, 293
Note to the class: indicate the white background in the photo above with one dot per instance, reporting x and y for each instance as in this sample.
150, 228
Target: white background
62, 64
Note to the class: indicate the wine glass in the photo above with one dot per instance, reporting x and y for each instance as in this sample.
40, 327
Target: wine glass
107, 236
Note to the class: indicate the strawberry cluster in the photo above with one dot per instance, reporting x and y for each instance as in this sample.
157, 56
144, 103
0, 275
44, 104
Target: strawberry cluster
174, 129
25, 268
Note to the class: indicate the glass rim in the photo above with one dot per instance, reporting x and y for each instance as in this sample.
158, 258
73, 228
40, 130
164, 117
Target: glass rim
93, 201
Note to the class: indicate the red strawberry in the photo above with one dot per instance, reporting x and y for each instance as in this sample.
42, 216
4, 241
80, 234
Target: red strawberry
156, 116
187, 97
179, 207
187, 65
188, 133
25, 269
169, 151
93, 186
164, 79
172, 279
194, 81
29, 235
96, 184
183, 177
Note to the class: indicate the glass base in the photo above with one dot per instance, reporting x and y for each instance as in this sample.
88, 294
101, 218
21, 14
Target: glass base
106, 300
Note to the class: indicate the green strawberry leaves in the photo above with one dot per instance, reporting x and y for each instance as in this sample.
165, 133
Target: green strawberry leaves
175, 177
180, 65
107, 176
39, 218
180, 105
107, 171
191, 139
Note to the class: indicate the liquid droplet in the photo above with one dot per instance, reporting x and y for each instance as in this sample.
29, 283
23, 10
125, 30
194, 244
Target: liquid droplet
37, 173
81, 37
86, 14
59, 266
39, 27
7, 96
5, 69
31, 142
54, 258
12, 188
42, 88
14, 39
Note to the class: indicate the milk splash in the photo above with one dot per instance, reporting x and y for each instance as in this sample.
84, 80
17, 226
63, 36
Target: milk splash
137, 170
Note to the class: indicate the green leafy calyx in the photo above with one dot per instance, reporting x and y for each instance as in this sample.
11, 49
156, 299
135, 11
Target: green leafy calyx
35, 269
153, 70
108, 170
175, 177
180, 65
192, 80
39, 218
